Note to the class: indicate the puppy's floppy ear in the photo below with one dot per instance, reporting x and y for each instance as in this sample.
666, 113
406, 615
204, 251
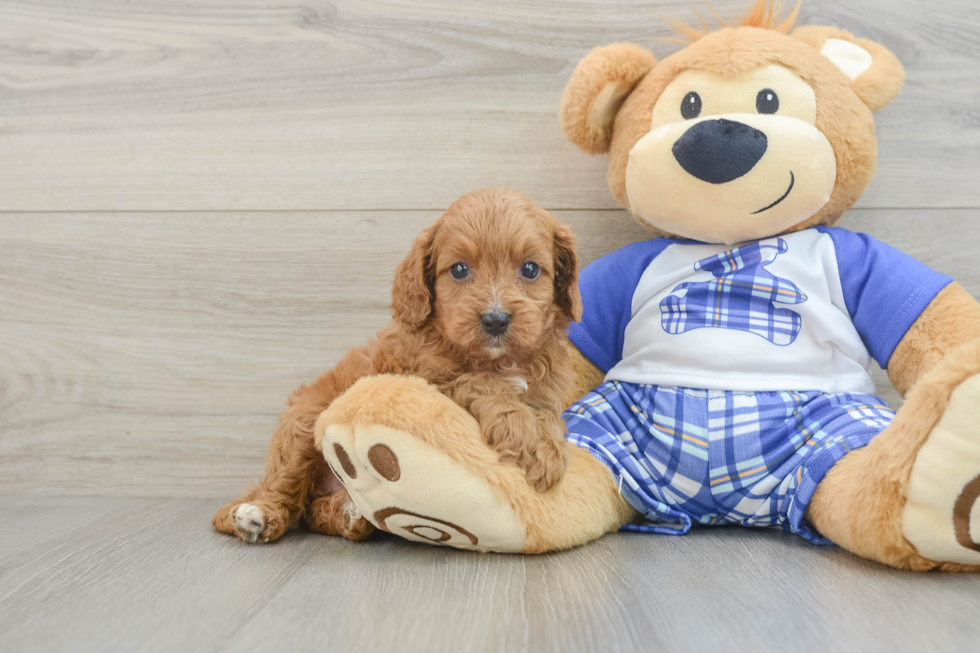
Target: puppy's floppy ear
597, 89
567, 297
414, 287
876, 74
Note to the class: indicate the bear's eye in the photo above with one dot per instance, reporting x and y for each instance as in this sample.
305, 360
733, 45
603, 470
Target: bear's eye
767, 101
459, 271
691, 106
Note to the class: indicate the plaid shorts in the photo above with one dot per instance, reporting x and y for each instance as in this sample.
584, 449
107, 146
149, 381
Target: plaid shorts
717, 457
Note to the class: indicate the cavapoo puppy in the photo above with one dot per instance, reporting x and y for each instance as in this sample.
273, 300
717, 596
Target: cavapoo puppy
480, 305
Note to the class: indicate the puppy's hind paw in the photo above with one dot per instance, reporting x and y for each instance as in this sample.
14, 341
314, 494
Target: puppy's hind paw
337, 514
356, 527
351, 512
249, 522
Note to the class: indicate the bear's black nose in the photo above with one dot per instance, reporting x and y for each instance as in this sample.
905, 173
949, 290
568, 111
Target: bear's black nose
718, 151
496, 323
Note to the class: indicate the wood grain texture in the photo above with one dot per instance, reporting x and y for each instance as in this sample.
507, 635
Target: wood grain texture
150, 354
391, 104
142, 575
202, 204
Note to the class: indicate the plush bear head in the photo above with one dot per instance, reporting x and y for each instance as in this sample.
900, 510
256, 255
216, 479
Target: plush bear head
748, 132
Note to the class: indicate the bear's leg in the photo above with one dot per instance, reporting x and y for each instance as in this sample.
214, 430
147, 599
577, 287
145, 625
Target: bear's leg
910, 498
415, 464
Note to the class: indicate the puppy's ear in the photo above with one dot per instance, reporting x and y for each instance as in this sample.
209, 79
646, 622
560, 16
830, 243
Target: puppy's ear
413, 290
598, 87
876, 74
567, 297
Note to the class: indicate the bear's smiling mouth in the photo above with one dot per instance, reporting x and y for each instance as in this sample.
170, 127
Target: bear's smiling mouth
792, 180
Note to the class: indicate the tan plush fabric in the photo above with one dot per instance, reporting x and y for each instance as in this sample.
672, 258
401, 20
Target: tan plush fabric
433, 498
860, 503
945, 480
596, 90
448, 473
916, 484
880, 84
841, 117
586, 376
951, 319
798, 166
843, 106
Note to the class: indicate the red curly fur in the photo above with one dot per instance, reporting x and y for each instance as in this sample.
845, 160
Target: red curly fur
436, 334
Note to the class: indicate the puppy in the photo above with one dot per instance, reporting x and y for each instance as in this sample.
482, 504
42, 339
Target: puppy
480, 305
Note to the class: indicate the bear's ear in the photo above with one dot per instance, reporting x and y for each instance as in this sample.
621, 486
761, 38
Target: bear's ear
875, 73
597, 89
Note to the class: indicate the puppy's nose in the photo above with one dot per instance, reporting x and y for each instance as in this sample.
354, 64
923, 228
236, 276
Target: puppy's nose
495, 323
718, 151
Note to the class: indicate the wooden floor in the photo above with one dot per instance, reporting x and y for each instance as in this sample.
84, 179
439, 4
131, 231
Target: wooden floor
138, 575
202, 203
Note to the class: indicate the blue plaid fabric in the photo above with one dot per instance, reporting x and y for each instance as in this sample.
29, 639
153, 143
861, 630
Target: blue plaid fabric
740, 296
718, 457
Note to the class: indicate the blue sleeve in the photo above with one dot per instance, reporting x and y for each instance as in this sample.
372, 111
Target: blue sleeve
607, 286
885, 290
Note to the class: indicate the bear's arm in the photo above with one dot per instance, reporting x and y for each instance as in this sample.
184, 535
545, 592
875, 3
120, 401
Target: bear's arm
950, 320
585, 376
607, 286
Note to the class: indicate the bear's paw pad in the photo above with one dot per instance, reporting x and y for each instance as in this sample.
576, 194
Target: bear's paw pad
405, 486
941, 517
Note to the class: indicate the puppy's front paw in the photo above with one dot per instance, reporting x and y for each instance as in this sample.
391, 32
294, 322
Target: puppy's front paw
547, 465
515, 437
518, 384
509, 432
248, 522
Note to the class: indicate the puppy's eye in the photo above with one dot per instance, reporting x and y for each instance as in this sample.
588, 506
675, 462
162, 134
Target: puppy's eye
530, 270
767, 101
691, 106
459, 271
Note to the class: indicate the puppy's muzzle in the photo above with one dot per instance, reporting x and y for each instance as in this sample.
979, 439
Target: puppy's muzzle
495, 323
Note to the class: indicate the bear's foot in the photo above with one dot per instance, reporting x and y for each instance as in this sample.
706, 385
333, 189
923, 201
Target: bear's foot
415, 464
909, 498
379, 440
941, 517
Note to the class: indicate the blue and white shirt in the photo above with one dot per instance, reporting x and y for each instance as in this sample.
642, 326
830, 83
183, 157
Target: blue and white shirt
803, 311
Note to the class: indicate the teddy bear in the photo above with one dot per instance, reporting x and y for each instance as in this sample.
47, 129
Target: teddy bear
722, 366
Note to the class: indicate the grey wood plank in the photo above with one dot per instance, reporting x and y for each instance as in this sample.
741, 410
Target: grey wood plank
136, 579
151, 356
150, 575
390, 104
